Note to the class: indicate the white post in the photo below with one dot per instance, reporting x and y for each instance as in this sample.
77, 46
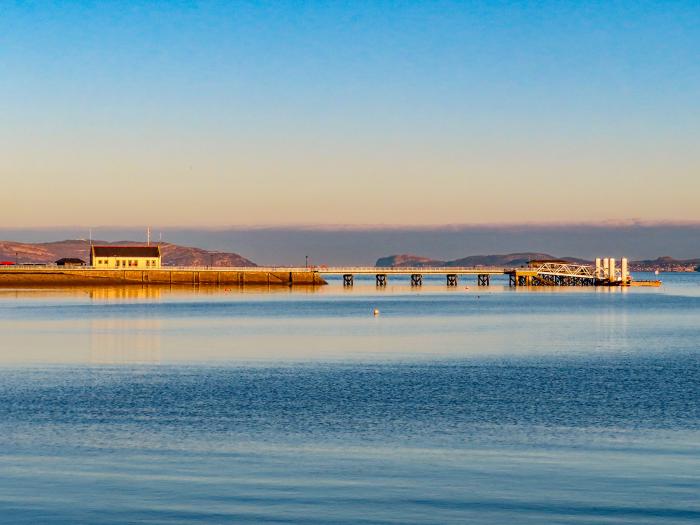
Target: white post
613, 274
606, 268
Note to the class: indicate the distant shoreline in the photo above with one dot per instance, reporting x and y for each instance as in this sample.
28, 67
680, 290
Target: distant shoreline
520, 259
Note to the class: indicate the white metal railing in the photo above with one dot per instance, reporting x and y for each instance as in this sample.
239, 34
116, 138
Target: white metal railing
565, 270
409, 269
318, 269
54, 267
231, 268
562, 269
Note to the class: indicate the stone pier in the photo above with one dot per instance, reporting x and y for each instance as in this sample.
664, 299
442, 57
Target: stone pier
193, 276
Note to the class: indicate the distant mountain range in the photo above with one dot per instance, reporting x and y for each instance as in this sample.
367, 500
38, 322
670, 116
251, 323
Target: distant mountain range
173, 254
510, 259
667, 264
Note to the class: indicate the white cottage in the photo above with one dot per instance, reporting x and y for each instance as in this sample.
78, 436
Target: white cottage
125, 257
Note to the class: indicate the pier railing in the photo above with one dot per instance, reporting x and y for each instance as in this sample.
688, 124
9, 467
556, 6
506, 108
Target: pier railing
54, 267
549, 268
338, 270
319, 269
565, 269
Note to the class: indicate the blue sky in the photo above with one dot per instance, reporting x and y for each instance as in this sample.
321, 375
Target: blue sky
227, 113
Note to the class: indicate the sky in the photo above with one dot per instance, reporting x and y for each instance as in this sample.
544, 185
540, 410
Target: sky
242, 114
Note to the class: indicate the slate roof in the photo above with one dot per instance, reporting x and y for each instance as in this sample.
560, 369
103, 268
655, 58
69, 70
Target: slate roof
69, 260
126, 251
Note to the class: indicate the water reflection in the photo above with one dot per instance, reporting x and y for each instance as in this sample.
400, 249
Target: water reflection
163, 324
125, 341
125, 293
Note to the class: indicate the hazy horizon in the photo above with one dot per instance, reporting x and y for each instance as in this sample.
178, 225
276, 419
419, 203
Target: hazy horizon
352, 245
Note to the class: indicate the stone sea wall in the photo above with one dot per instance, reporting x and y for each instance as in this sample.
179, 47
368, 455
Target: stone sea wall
160, 276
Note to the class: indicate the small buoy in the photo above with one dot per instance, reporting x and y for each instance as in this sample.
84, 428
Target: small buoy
656, 272
376, 312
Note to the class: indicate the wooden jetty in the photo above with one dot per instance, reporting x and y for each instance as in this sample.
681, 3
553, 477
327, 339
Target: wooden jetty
536, 273
452, 274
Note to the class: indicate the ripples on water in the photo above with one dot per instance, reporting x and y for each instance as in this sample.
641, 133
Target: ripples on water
469, 406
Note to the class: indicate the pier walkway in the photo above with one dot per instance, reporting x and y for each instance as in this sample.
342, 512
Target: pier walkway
536, 273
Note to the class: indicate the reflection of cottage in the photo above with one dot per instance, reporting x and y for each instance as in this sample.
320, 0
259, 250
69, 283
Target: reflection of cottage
125, 257
70, 261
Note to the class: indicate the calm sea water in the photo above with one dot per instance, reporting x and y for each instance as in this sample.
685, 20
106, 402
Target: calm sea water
270, 406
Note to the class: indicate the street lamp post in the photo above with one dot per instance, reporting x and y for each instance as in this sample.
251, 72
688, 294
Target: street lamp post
306, 261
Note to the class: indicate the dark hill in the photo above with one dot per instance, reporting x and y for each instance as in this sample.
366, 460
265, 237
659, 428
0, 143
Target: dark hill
403, 260
665, 264
505, 260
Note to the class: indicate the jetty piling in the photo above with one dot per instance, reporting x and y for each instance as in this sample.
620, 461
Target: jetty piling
537, 273
483, 279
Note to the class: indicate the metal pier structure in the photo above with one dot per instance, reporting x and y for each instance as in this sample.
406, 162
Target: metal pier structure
415, 273
555, 274
536, 273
